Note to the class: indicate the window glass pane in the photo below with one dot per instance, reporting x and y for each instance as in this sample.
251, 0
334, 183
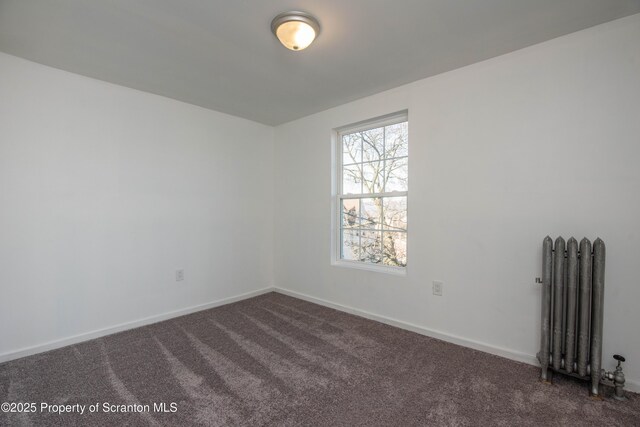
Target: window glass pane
397, 138
350, 245
371, 247
395, 249
351, 148
350, 213
372, 177
372, 144
371, 213
395, 213
352, 179
397, 174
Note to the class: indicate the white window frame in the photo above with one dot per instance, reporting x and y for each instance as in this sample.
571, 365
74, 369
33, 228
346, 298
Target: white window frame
337, 195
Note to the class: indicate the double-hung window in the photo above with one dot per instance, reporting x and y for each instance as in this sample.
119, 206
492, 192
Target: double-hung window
372, 192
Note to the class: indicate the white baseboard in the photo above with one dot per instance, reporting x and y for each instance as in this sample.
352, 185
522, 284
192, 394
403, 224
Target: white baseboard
530, 359
52, 345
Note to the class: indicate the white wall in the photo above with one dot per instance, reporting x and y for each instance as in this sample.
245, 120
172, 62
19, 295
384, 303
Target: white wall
541, 141
105, 191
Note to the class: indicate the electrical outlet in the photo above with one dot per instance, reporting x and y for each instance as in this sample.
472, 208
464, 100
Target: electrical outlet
437, 287
179, 275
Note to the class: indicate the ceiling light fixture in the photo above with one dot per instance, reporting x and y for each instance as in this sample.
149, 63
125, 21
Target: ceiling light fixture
295, 30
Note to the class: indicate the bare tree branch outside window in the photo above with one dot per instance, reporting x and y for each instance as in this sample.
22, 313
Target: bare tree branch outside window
374, 195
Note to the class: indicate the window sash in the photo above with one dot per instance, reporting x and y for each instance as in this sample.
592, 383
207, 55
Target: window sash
340, 196
375, 161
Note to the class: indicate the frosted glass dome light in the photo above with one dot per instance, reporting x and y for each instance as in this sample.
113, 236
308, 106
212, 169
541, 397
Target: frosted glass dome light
295, 30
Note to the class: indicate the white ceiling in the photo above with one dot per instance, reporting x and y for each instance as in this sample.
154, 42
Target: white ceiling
220, 54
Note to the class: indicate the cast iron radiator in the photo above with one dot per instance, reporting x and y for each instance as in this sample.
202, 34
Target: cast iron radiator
572, 313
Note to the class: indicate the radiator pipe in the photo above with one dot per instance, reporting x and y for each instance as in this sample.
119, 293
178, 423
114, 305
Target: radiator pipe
547, 253
597, 311
572, 288
558, 303
617, 377
583, 308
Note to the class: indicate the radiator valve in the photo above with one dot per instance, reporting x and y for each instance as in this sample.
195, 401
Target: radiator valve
617, 377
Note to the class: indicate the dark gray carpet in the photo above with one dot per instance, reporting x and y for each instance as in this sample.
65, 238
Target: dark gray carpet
276, 360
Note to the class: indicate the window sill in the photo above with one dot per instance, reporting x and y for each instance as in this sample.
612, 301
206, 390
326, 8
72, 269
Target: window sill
386, 269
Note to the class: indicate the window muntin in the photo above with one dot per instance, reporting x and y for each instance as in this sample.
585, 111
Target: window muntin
373, 192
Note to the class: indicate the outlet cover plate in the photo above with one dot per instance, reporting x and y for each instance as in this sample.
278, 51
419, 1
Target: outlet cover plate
437, 287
